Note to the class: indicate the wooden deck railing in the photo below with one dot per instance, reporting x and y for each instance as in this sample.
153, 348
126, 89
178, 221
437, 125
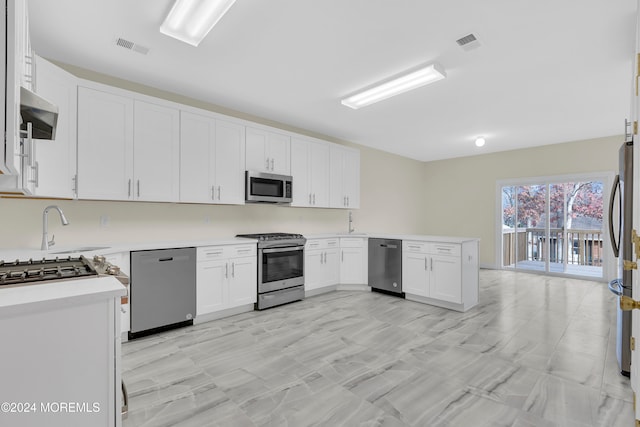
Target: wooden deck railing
584, 247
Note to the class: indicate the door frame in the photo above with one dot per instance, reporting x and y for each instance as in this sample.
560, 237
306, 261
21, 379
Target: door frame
609, 265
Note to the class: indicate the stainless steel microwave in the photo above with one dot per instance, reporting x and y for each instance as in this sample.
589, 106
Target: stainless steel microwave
264, 187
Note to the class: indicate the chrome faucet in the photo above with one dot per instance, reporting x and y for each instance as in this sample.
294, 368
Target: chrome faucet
46, 243
351, 229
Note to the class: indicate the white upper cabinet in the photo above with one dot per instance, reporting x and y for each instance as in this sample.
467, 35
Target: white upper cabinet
105, 145
15, 41
135, 147
156, 152
211, 160
197, 139
229, 163
267, 151
56, 159
120, 158
344, 175
310, 171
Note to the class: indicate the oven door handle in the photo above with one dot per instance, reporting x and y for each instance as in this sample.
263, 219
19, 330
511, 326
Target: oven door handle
282, 249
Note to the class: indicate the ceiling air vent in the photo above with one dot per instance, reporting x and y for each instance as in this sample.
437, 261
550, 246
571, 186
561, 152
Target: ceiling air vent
132, 46
468, 42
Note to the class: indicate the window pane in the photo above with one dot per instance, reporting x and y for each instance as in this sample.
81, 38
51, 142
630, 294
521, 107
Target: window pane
531, 206
508, 227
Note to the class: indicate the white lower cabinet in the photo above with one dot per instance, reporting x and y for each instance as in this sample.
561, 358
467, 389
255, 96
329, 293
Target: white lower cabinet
321, 263
353, 261
226, 277
61, 352
445, 282
122, 260
443, 274
415, 273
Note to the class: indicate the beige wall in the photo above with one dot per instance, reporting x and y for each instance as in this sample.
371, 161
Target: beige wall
461, 193
387, 203
398, 195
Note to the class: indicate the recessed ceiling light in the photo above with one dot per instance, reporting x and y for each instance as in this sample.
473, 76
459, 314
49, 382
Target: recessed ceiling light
480, 141
190, 21
397, 85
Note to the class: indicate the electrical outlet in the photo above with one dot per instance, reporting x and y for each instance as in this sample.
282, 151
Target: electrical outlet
104, 221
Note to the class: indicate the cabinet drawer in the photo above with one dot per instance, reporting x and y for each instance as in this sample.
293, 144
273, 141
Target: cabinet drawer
414, 247
352, 242
321, 244
445, 249
207, 253
243, 250
332, 243
314, 244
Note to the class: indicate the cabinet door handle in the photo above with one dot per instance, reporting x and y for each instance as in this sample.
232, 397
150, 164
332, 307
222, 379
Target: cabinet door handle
348, 201
129, 189
138, 188
323, 254
431, 264
267, 165
342, 256
309, 198
314, 198
37, 171
233, 269
125, 402
271, 165
226, 271
218, 193
213, 192
425, 263
344, 200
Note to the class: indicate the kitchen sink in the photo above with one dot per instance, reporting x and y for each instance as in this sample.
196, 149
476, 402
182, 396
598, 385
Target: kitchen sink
79, 249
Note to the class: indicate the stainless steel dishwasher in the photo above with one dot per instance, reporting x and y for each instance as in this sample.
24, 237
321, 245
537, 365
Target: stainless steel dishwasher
385, 265
162, 290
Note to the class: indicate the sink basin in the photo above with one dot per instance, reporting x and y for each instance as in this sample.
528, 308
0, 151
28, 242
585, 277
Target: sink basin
79, 249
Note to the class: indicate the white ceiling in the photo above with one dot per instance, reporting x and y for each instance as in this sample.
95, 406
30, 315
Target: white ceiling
547, 71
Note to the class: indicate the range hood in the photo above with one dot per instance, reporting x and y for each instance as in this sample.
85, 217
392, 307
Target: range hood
41, 113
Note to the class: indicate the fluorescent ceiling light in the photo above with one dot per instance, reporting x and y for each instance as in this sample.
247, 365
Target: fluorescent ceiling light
396, 86
480, 141
191, 20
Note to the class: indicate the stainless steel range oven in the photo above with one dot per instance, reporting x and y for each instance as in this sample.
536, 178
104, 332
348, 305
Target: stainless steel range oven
280, 268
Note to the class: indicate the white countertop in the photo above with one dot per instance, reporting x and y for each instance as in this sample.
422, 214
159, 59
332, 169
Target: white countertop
103, 249
414, 237
22, 254
48, 295
18, 300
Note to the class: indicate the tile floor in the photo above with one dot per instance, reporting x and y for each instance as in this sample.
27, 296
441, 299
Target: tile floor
537, 351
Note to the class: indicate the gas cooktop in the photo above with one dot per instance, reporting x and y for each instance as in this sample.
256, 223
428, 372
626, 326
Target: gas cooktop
272, 236
21, 272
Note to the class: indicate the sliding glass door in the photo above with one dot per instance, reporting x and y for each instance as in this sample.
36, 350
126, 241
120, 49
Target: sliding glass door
553, 226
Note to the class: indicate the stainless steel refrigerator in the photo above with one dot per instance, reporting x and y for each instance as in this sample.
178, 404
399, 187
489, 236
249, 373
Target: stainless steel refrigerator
622, 219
